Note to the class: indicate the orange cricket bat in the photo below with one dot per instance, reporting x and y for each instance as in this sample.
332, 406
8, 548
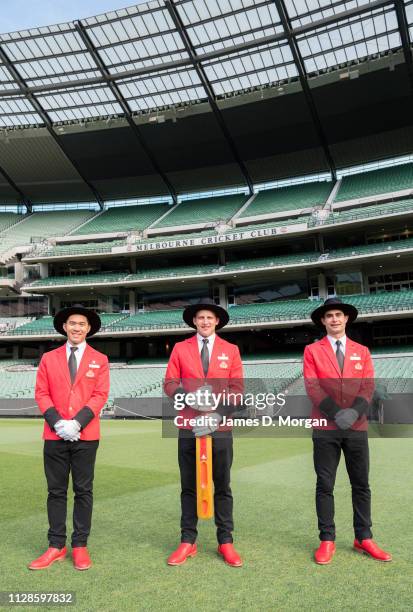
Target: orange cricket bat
204, 482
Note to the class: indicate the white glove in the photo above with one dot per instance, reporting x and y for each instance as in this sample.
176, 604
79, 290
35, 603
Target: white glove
206, 425
59, 426
346, 417
69, 430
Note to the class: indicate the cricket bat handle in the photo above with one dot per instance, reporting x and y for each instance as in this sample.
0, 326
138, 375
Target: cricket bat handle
204, 482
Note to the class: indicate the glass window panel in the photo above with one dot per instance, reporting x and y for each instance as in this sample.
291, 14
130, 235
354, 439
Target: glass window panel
340, 55
409, 13
393, 41
391, 20
150, 23
5, 75
380, 24
296, 7
353, 35
310, 65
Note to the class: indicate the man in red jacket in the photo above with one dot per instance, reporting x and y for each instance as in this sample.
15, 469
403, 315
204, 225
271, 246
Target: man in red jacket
339, 378
205, 359
72, 387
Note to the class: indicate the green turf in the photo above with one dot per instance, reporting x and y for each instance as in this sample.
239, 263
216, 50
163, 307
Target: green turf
136, 525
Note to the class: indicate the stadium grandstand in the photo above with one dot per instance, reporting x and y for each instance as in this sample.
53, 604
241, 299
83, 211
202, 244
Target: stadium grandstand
261, 156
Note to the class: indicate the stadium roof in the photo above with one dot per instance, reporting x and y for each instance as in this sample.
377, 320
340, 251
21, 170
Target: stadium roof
122, 74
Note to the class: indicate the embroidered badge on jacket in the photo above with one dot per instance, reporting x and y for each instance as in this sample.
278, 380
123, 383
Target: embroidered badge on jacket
90, 374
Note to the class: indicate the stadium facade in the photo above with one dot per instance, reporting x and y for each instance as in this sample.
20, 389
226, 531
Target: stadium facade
261, 156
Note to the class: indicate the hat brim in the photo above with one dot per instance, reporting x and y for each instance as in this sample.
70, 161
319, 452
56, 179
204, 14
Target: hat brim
62, 316
348, 309
190, 311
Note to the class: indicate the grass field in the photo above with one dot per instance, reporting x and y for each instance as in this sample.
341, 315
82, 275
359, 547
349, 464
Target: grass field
136, 525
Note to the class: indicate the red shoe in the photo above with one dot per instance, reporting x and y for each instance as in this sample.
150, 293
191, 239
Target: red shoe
48, 558
324, 553
81, 559
369, 547
181, 554
231, 557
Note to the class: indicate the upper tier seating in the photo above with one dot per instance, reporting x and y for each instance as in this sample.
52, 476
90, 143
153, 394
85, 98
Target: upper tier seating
7, 219
77, 248
204, 210
42, 225
293, 197
123, 219
375, 182
365, 212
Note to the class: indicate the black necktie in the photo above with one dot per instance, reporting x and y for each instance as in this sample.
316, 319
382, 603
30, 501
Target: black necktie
339, 355
205, 356
72, 363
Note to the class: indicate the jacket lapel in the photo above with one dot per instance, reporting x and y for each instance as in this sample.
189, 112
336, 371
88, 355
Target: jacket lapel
62, 360
195, 355
216, 349
350, 348
328, 350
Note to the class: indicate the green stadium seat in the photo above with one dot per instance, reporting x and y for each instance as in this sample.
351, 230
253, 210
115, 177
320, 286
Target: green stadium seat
84, 279
204, 210
365, 212
281, 310
375, 182
41, 225
293, 197
76, 249
124, 219
8, 219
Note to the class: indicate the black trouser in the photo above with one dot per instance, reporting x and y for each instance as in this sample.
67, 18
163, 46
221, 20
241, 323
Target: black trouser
221, 466
327, 451
61, 458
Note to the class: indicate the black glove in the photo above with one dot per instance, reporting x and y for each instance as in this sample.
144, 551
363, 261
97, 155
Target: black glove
51, 416
361, 405
84, 416
329, 407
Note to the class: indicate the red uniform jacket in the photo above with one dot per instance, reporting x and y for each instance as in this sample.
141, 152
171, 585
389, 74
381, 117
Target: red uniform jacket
91, 388
185, 370
324, 379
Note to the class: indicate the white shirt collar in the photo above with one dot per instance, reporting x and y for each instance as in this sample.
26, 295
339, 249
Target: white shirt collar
80, 350
211, 340
333, 341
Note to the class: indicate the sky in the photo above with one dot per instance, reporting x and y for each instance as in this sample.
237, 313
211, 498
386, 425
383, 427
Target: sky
26, 14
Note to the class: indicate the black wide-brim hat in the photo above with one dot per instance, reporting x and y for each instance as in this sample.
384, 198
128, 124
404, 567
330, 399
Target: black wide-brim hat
91, 316
334, 304
207, 304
